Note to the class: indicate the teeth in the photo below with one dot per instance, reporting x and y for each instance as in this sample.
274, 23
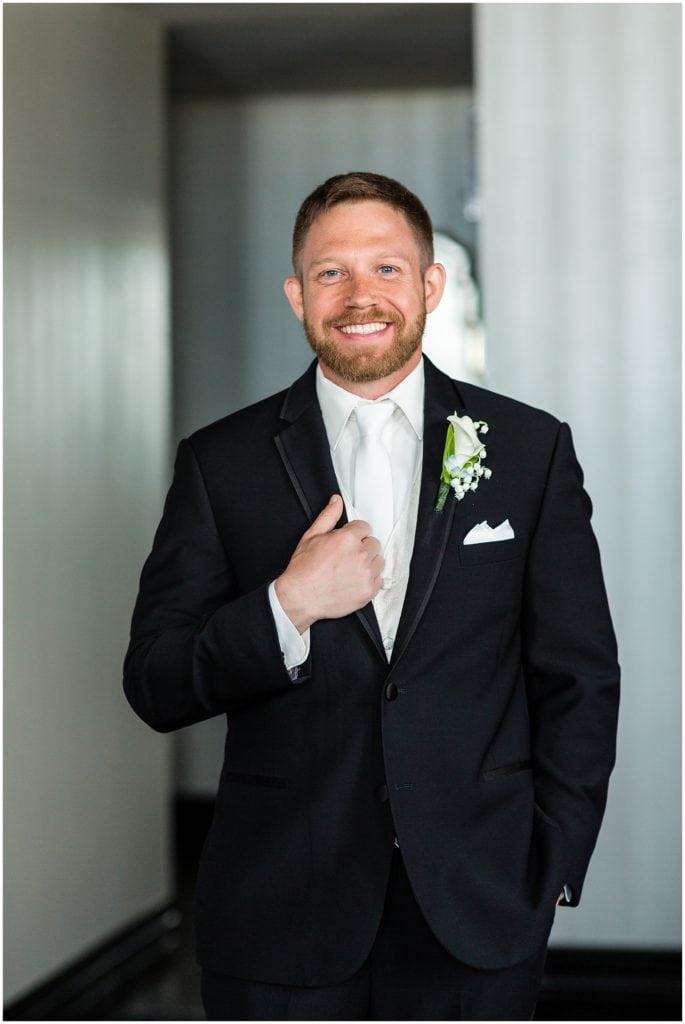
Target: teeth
363, 328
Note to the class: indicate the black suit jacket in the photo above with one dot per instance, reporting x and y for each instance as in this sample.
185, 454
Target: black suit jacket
485, 745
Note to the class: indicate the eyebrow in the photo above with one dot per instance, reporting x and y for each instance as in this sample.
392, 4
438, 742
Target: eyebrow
383, 257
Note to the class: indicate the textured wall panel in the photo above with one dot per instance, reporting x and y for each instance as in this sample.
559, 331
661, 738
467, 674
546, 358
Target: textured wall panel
86, 465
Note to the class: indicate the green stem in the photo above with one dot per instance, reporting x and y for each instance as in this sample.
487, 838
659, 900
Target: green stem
442, 496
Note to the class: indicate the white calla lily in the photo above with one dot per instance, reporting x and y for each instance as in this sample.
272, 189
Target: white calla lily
462, 458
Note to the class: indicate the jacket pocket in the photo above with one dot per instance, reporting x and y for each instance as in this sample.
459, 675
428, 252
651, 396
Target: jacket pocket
494, 551
273, 781
515, 768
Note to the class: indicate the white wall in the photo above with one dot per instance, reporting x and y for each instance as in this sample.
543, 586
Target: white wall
580, 245
240, 171
86, 465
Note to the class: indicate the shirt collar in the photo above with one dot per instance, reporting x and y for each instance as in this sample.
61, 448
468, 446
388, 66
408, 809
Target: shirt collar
338, 404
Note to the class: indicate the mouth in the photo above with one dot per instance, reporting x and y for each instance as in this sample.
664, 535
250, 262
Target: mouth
377, 327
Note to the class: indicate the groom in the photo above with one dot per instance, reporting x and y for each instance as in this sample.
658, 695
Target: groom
408, 632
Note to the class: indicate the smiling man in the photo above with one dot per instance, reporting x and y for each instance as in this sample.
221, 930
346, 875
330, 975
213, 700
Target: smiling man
365, 281
409, 635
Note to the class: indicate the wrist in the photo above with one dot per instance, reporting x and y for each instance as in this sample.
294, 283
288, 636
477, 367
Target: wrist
289, 598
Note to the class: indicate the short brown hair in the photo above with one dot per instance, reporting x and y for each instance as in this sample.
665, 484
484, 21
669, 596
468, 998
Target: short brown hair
356, 186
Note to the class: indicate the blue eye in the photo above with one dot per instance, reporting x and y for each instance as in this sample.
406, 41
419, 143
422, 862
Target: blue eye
330, 273
386, 269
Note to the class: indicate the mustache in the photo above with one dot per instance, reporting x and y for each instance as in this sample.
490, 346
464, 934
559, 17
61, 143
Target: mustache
369, 316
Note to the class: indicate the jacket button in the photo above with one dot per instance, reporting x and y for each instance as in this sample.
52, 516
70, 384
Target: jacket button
391, 692
381, 792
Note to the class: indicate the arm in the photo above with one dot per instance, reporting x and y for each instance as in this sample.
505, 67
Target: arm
572, 675
197, 647
200, 648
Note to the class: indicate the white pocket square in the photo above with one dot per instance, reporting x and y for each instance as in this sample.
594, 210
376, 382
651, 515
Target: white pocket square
484, 534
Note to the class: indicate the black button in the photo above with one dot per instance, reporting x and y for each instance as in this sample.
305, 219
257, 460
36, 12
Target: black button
391, 692
381, 792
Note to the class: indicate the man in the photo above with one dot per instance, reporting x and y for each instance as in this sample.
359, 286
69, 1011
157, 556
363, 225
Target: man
409, 634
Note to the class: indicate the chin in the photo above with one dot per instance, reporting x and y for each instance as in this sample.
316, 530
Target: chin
363, 367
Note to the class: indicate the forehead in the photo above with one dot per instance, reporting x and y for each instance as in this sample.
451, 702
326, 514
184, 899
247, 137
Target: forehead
365, 224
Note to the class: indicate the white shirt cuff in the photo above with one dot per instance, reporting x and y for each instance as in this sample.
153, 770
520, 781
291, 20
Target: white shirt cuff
294, 647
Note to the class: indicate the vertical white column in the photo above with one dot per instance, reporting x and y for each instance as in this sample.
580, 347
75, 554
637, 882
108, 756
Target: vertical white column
580, 167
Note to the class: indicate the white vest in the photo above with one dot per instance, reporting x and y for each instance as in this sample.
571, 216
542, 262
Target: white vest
398, 551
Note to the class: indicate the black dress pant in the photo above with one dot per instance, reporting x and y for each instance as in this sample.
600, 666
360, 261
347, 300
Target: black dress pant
407, 976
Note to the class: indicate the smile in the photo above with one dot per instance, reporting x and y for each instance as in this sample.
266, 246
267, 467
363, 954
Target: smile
363, 328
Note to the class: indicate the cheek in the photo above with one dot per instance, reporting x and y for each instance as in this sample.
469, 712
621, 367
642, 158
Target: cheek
318, 307
413, 306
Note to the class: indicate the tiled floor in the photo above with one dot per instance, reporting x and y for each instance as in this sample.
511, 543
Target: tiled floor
171, 990
168, 993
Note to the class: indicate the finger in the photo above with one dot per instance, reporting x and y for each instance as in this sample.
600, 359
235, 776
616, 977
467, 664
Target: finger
360, 528
327, 518
377, 565
371, 544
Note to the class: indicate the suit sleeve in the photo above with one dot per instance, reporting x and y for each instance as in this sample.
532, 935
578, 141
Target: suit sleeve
198, 648
570, 660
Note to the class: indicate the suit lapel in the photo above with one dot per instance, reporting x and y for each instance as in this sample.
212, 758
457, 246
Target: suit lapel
433, 529
304, 449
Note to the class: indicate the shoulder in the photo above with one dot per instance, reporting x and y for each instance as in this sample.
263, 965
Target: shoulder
257, 424
482, 403
247, 426
517, 432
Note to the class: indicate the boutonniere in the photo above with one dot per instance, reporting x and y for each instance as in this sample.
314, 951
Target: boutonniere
462, 458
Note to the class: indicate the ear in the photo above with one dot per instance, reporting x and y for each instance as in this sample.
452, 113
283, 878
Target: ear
292, 286
434, 278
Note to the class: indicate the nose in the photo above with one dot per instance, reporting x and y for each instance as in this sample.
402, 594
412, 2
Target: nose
360, 292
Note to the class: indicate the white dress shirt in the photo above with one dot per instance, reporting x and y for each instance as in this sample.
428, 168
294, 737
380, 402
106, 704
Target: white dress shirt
403, 436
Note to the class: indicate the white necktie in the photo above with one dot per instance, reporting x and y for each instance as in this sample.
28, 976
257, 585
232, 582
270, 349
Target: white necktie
373, 499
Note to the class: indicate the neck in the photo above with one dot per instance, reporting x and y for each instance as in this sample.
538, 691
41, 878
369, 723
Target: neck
373, 389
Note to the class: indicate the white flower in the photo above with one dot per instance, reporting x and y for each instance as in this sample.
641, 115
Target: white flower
466, 443
462, 458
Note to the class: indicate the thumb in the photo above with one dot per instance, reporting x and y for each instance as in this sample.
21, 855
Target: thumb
327, 518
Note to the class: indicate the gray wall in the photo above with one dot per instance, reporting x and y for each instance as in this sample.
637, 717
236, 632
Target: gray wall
581, 178
86, 463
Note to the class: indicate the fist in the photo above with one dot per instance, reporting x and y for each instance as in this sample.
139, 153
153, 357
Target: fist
332, 572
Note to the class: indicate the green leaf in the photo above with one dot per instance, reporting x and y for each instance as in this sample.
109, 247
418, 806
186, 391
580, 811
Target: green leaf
448, 450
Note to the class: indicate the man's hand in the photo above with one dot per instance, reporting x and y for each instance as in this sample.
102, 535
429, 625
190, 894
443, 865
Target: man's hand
332, 572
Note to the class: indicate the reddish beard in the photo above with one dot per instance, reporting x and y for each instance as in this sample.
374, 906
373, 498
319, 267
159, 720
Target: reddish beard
361, 365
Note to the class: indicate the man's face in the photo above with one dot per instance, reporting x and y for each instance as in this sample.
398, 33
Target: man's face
362, 296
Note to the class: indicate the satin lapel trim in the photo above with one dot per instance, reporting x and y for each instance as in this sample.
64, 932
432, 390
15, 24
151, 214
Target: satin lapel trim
433, 529
303, 447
